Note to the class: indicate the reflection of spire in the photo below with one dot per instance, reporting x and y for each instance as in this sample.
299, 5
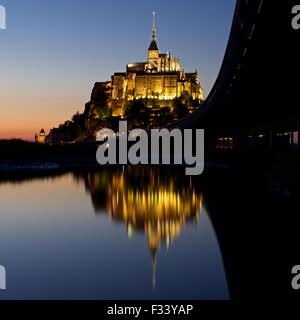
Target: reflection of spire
130, 230
153, 256
154, 243
148, 201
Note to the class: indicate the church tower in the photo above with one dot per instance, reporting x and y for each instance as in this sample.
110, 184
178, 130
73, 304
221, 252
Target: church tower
153, 51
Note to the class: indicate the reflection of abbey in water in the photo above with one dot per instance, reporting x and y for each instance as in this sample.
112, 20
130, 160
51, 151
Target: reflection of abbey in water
146, 200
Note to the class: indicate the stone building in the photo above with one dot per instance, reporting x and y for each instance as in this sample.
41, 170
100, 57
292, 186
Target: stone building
40, 137
161, 77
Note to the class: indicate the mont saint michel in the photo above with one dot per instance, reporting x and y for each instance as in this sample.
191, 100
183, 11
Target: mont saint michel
161, 78
149, 94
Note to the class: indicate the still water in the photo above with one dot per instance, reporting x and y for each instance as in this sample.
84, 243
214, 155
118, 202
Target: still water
124, 233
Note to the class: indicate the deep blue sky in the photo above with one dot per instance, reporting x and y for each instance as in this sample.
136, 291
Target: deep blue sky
53, 51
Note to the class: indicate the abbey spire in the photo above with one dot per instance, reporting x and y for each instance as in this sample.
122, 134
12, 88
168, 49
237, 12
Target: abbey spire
154, 27
153, 45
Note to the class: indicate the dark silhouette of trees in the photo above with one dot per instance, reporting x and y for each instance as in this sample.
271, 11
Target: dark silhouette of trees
180, 110
137, 114
103, 112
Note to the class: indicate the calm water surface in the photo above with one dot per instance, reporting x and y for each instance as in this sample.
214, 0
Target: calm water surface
127, 233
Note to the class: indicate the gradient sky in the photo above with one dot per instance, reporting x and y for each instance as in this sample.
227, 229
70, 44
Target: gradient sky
54, 51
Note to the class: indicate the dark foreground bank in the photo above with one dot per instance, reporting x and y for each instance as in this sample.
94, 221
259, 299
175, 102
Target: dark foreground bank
29, 154
22, 154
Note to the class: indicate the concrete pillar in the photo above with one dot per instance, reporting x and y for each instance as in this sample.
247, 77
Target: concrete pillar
298, 132
292, 140
235, 141
271, 138
251, 139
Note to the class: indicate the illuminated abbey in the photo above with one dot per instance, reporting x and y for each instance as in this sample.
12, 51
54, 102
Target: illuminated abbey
161, 77
149, 94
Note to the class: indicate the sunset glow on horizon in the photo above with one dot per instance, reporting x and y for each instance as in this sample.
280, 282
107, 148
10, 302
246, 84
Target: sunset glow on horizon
52, 53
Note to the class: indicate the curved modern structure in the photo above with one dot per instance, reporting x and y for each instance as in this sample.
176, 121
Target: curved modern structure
255, 94
255, 89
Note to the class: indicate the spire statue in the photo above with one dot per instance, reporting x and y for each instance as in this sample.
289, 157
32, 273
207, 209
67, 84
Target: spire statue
154, 27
